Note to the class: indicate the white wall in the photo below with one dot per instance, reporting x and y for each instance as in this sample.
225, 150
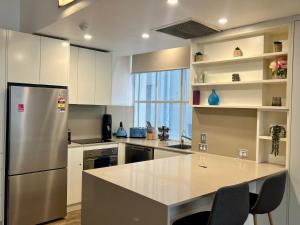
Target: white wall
294, 204
10, 14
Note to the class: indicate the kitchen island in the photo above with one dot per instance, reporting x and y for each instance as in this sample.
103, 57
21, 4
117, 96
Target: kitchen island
159, 191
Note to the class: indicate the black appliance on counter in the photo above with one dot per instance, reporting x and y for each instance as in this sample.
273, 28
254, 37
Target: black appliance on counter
136, 153
106, 126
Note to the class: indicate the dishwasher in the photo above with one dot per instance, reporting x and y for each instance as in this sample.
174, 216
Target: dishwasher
137, 153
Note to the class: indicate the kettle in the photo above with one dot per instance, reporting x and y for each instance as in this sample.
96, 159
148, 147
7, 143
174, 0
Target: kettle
121, 132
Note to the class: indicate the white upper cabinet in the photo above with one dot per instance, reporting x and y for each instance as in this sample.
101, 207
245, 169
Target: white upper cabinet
73, 76
23, 64
86, 76
122, 81
103, 78
55, 56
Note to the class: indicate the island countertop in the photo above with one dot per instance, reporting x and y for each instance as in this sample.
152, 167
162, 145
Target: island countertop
177, 180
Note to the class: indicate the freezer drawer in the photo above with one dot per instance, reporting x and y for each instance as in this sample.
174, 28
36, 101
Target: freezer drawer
37, 139
37, 197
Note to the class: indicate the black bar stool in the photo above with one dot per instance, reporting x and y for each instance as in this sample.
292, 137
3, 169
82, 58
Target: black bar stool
269, 197
230, 207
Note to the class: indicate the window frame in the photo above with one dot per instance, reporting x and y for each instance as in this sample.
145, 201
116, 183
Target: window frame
182, 103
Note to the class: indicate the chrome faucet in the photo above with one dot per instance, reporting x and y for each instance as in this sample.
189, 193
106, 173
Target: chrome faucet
182, 137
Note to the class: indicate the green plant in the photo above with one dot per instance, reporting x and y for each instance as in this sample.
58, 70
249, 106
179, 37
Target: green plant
275, 132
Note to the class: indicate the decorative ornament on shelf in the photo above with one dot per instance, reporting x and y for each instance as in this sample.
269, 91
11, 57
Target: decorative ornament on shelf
279, 68
236, 77
276, 101
276, 132
237, 52
213, 98
196, 97
277, 46
198, 56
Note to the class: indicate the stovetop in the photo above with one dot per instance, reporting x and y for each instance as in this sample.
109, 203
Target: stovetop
91, 141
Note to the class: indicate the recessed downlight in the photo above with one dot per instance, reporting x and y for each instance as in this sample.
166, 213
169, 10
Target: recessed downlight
223, 20
145, 35
88, 37
172, 2
65, 43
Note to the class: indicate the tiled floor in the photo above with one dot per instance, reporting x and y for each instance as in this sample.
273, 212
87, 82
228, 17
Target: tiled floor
73, 218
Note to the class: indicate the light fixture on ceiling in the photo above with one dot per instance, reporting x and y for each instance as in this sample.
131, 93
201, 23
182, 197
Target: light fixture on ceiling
172, 2
145, 35
62, 3
65, 43
87, 37
223, 21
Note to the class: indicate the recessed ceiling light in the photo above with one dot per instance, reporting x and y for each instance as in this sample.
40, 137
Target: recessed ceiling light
65, 43
172, 2
88, 37
62, 3
145, 35
223, 21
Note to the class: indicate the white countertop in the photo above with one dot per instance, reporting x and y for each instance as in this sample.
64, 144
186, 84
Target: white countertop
181, 179
142, 142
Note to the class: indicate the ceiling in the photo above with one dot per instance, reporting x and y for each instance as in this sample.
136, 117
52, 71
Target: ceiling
117, 25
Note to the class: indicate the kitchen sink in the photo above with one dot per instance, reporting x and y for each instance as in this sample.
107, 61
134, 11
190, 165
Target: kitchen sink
180, 146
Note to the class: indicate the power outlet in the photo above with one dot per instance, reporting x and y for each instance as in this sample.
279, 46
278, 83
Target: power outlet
243, 153
203, 147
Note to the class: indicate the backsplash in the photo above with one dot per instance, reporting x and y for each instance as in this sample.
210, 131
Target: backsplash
85, 121
121, 113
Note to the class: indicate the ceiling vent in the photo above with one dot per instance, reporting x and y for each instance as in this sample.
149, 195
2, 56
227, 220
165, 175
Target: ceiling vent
187, 29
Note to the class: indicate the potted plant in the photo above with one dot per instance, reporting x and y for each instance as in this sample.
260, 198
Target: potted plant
198, 56
279, 68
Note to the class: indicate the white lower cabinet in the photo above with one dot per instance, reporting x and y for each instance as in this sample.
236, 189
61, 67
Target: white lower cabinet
121, 153
75, 168
160, 154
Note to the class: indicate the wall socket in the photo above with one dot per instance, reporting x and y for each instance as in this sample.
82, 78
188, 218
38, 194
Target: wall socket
243, 153
203, 147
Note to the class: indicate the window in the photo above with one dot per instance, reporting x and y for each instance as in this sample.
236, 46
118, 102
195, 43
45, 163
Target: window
162, 98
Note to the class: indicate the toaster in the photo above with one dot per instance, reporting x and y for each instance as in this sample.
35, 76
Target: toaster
138, 132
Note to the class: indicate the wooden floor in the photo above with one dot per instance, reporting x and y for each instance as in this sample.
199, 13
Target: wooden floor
73, 218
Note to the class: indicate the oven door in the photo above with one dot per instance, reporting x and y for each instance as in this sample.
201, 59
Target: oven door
99, 161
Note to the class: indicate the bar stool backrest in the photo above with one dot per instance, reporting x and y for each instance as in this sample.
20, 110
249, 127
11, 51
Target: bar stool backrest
270, 195
231, 205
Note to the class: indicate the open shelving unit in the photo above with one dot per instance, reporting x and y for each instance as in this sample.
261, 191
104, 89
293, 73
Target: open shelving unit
256, 86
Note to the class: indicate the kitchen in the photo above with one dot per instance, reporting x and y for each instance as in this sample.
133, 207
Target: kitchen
105, 106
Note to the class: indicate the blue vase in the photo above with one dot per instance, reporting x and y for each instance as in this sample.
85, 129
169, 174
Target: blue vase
213, 99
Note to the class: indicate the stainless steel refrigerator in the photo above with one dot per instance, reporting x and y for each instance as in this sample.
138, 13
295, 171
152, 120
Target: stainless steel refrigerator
36, 159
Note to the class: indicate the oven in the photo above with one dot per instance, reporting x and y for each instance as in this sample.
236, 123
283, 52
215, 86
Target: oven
99, 158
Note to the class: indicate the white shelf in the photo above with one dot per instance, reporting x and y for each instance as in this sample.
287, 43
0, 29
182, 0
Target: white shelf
241, 59
274, 81
262, 108
270, 138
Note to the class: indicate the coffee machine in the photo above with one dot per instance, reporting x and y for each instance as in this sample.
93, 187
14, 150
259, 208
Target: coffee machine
106, 126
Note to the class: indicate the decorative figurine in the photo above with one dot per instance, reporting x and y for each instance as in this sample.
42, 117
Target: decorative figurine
237, 52
236, 77
276, 101
198, 56
277, 46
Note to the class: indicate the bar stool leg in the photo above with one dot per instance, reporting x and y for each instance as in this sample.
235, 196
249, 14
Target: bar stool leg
270, 219
255, 219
